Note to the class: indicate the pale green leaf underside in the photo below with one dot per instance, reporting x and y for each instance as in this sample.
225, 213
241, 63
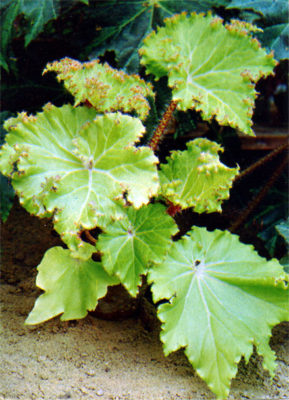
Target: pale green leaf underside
129, 245
224, 298
105, 88
72, 286
209, 66
78, 167
196, 177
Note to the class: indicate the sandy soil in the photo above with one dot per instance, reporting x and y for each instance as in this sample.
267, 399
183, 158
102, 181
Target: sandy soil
94, 358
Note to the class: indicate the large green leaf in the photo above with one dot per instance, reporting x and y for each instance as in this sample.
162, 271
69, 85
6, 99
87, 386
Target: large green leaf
272, 16
210, 67
105, 88
76, 167
72, 286
196, 177
126, 23
129, 245
223, 299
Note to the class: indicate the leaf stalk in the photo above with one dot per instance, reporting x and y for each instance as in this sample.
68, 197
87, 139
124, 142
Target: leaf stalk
160, 130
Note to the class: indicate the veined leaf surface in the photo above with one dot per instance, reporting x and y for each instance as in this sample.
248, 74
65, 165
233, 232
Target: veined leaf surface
129, 245
196, 177
105, 88
223, 299
72, 286
76, 167
210, 67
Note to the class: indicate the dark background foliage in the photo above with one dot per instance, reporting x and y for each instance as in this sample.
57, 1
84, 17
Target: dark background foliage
35, 32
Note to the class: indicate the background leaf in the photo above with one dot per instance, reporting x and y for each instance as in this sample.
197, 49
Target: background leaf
270, 9
272, 16
283, 230
196, 177
129, 245
37, 14
223, 298
72, 286
276, 38
6, 191
8, 17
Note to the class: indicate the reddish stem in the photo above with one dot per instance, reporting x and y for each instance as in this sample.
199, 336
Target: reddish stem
159, 132
89, 237
173, 209
261, 162
259, 197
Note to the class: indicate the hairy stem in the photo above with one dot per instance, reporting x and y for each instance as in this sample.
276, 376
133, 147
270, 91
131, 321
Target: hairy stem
261, 162
160, 131
259, 197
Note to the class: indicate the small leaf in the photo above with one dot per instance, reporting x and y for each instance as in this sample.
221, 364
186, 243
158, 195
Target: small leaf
223, 299
129, 245
105, 88
75, 167
72, 286
196, 177
213, 71
283, 230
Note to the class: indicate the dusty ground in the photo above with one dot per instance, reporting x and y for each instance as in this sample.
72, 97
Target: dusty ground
93, 358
